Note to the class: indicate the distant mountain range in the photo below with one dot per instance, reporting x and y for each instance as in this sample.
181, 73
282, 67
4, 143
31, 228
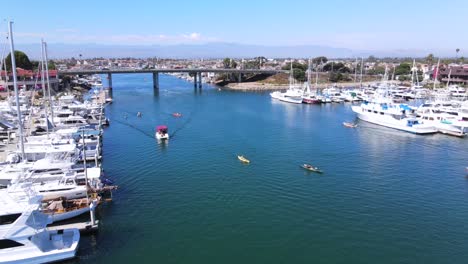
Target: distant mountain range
212, 50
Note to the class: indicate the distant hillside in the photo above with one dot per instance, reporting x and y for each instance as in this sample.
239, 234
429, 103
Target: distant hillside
209, 50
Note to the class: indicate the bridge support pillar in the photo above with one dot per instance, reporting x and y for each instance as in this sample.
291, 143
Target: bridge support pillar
155, 81
109, 79
199, 80
240, 78
195, 80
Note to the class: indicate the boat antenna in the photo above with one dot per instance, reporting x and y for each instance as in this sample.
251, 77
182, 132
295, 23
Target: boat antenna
15, 86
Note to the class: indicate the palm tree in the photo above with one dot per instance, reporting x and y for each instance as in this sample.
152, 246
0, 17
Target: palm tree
457, 50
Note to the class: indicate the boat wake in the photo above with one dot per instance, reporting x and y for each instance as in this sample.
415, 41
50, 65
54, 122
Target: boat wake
187, 121
125, 122
150, 135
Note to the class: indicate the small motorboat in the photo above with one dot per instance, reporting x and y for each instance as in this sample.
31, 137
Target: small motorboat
176, 114
139, 114
162, 132
311, 168
243, 159
349, 124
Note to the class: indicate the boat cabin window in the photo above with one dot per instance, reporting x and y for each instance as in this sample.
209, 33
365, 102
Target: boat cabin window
382, 113
7, 243
375, 112
412, 122
56, 190
8, 219
369, 111
69, 182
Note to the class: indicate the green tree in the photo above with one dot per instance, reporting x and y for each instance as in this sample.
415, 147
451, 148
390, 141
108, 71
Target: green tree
299, 74
430, 59
319, 60
335, 76
226, 63
371, 58
299, 70
260, 60
51, 65
336, 67
403, 69
229, 63
377, 70
21, 59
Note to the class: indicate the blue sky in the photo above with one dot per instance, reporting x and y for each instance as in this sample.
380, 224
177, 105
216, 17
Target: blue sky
358, 24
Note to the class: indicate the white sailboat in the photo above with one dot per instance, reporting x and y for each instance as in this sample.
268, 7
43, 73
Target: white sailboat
291, 95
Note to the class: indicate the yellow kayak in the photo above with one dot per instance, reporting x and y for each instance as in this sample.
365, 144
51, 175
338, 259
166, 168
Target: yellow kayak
243, 159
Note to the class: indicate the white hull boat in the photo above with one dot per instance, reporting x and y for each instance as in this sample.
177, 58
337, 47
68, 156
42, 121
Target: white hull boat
411, 125
289, 99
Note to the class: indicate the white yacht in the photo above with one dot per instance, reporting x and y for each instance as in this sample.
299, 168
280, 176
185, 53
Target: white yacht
457, 91
392, 116
23, 236
37, 152
12, 172
446, 123
290, 96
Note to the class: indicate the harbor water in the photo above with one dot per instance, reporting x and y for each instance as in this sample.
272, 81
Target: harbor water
385, 196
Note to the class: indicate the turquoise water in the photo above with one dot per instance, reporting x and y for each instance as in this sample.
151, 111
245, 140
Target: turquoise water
385, 196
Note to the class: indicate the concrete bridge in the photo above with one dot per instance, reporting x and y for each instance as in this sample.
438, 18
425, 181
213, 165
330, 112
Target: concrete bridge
197, 73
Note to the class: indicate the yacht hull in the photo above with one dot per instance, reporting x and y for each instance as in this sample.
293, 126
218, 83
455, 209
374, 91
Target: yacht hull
390, 122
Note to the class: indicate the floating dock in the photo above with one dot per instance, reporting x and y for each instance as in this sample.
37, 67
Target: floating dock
84, 227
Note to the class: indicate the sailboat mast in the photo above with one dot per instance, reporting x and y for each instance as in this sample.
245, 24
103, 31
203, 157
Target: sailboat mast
15, 86
449, 75
44, 44
436, 74
7, 79
362, 65
44, 89
416, 74
291, 75
355, 71
412, 73
316, 78
309, 69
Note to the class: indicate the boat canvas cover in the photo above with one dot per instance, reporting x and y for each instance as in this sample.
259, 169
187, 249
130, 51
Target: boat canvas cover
161, 128
405, 107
